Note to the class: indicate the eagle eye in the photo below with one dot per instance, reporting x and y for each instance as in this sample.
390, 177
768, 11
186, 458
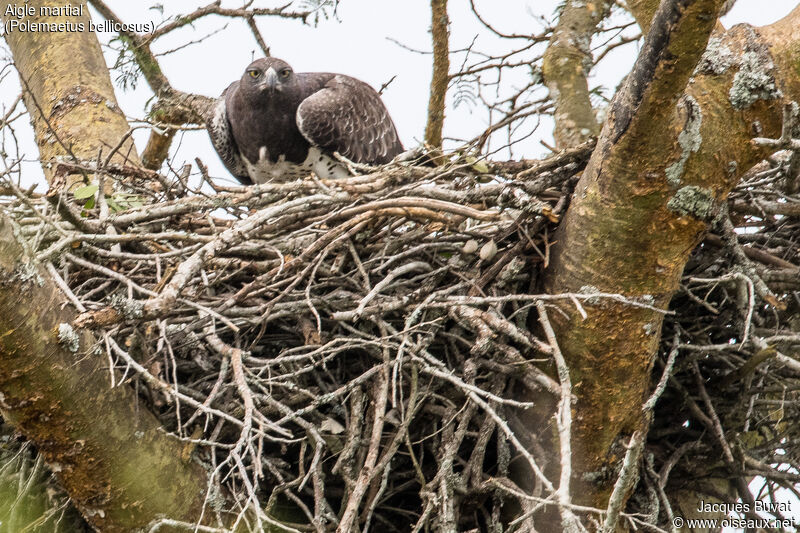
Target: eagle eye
285, 73
255, 74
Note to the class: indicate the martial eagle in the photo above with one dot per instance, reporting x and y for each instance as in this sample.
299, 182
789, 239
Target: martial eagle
277, 125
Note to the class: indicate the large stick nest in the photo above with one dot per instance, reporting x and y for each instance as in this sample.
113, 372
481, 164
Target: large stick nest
358, 350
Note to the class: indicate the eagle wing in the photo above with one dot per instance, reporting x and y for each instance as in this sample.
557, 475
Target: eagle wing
347, 116
219, 129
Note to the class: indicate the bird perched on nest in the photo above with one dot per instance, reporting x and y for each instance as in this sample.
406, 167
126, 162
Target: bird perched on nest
277, 125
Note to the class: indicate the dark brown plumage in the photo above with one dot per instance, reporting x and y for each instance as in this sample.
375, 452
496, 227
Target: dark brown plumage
277, 125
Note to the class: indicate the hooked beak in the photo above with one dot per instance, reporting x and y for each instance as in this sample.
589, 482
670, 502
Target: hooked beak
270, 80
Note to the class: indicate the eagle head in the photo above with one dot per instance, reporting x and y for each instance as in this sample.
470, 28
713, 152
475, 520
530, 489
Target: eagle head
268, 75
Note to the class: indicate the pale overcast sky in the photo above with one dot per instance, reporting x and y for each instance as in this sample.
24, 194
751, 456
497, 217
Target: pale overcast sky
361, 41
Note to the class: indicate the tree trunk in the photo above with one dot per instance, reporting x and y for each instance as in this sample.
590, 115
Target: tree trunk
66, 88
118, 467
121, 471
638, 211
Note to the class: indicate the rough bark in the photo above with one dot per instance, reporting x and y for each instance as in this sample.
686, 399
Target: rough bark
638, 211
157, 149
67, 90
664, 163
120, 470
566, 66
440, 78
642, 11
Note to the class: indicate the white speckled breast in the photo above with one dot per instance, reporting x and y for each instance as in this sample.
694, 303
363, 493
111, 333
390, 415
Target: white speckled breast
265, 171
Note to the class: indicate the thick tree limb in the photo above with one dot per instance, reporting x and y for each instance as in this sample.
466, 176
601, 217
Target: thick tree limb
609, 239
637, 214
565, 67
119, 468
73, 109
643, 11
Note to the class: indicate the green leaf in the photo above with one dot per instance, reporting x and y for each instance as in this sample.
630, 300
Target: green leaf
89, 203
478, 165
481, 167
122, 201
115, 207
87, 191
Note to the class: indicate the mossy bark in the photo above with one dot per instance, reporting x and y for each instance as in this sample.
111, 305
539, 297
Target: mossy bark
643, 11
671, 150
109, 453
